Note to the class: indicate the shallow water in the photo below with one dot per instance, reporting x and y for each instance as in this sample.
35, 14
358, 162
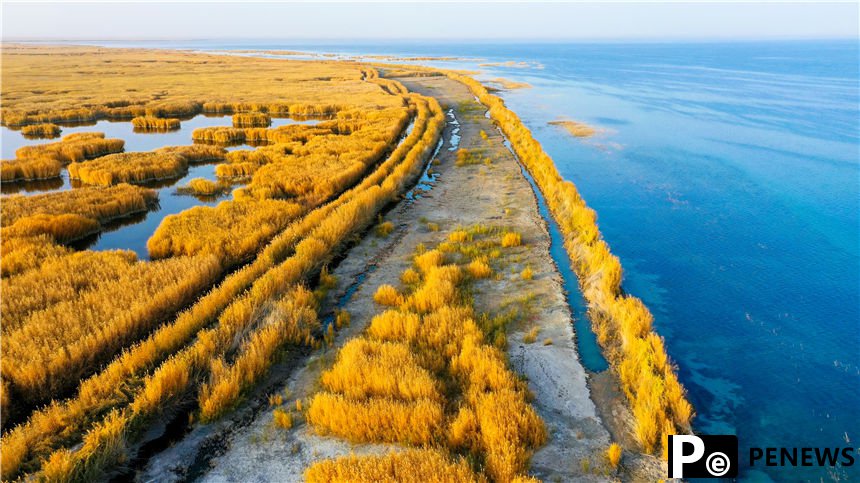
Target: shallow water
134, 140
133, 232
428, 177
586, 341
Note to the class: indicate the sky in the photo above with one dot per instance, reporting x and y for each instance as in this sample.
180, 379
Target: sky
436, 20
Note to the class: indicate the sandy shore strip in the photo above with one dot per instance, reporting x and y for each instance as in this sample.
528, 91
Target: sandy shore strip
246, 446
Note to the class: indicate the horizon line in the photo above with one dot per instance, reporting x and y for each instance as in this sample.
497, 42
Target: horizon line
434, 39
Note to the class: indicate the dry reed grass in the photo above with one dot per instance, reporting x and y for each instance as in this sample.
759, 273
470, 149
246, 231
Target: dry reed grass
291, 320
622, 322
46, 352
251, 119
44, 130
129, 168
386, 385
233, 230
29, 169
139, 82
100, 204
22, 253
409, 466
613, 455
148, 123
235, 306
71, 215
45, 161
323, 165
72, 148
204, 187
196, 154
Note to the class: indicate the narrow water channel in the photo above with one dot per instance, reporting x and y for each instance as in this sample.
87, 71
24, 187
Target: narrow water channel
586, 341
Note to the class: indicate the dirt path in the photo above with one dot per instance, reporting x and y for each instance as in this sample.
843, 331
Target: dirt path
489, 194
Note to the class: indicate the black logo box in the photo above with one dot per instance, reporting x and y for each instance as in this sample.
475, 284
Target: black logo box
725, 444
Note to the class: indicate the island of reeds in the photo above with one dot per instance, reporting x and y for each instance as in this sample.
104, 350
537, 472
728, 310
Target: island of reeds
45, 130
151, 123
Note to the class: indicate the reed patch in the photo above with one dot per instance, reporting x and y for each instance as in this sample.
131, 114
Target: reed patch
46, 352
45, 131
129, 168
203, 187
575, 128
425, 375
45, 161
288, 179
75, 147
45, 214
409, 466
150, 123
233, 230
251, 119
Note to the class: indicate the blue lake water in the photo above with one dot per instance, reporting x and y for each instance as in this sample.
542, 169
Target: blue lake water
727, 179
727, 182
133, 232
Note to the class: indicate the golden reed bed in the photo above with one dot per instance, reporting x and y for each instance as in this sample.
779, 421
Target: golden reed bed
273, 236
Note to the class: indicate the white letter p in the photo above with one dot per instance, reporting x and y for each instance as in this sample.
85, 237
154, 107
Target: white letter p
679, 458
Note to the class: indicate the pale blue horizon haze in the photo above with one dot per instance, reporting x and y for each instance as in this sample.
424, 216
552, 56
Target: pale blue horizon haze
429, 20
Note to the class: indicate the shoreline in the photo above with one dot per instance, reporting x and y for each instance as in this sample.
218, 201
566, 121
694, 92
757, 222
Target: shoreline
459, 196
604, 388
622, 322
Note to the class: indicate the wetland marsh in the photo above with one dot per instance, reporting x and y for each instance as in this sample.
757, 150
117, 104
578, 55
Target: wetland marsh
315, 217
